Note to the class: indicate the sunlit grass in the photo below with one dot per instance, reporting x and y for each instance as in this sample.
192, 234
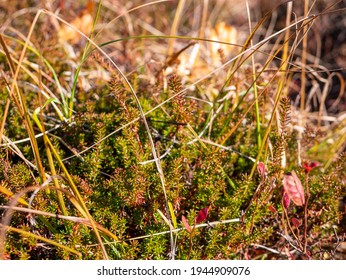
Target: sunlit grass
132, 127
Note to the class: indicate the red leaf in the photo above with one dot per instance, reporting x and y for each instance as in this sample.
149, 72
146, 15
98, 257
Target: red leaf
202, 215
314, 164
296, 223
294, 188
309, 167
285, 200
261, 168
272, 209
186, 224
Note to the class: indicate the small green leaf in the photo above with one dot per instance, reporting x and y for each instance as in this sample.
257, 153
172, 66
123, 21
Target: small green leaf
38, 109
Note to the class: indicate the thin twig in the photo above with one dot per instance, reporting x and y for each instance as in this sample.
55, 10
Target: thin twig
174, 231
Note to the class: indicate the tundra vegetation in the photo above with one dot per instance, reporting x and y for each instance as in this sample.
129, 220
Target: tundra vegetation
172, 129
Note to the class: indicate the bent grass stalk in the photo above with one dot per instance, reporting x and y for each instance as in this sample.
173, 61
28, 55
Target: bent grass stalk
22, 108
62, 113
38, 237
258, 119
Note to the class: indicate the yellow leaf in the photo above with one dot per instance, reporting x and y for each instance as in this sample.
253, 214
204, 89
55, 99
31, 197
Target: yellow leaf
174, 219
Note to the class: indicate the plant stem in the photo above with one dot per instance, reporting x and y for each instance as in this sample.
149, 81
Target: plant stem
306, 213
191, 236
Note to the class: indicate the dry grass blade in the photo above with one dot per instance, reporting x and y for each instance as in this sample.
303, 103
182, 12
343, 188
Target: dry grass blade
35, 236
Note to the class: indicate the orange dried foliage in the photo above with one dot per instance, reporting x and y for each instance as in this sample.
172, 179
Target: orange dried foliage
83, 23
224, 33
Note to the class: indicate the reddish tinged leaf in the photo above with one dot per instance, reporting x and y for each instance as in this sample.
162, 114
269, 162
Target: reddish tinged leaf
314, 164
296, 223
294, 188
285, 200
262, 170
272, 209
202, 215
186, 224
308, 167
